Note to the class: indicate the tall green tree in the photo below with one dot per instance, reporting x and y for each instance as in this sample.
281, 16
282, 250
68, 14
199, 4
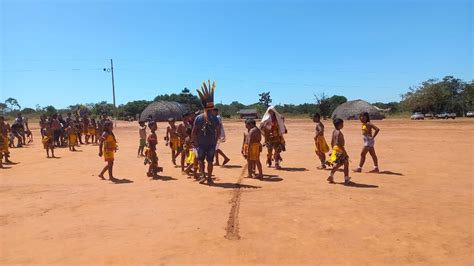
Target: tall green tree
13, 104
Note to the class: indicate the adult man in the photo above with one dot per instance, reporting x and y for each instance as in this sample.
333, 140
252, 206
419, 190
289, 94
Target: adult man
206, 131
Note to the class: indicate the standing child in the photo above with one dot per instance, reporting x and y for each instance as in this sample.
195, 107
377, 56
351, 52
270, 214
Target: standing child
321, 145
71, 132
369, 142
245, 146
91, 130
151, 155
191, 158
107, 148
172, 139
85, 128
254, 149
142, 135
339, 155
48, 139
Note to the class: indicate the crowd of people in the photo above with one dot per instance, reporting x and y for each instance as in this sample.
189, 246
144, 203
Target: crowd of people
195, 141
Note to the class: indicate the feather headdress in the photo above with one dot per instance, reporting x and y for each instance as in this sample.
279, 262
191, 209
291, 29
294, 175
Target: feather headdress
206, 94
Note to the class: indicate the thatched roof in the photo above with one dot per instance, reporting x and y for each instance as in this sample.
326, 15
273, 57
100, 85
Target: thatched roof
162, 110
352, 109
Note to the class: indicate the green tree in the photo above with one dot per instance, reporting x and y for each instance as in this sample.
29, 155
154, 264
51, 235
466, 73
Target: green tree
323, 105
265, 99
132, 109
335, 101
49, 110
14, 105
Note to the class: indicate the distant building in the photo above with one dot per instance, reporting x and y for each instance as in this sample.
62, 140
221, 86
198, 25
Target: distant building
248, 113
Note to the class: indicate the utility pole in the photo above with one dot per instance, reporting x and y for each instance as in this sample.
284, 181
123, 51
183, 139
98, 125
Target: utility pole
113, 87
113, 83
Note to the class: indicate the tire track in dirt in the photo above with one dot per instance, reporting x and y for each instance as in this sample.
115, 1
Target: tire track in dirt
232, 229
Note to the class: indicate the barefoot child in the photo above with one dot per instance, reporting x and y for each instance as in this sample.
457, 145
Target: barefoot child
182, 131
254, 149
151, 156
339, 155
91, 131
107, 148
71, 132
369, 142
48, 139
190, 151
220, 141
3, 140
321, 145
142, 135
172, 139
245, 145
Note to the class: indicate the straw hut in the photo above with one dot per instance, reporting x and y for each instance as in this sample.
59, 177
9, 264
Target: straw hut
162, 110
352, 109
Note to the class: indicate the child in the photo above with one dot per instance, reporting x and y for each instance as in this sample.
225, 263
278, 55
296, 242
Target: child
254, 149
369, 142
182, 130
151, 156
245, 146
172, 138
3, 140
339, 155
142, 135
191, 158
91, 131
220, 141
48, 139
107, 147
71, 132
321, 145
85, 128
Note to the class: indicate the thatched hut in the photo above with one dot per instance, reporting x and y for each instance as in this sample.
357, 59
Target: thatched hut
162, 110
352, 109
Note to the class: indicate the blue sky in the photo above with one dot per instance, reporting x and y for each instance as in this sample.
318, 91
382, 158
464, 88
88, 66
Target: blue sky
53, 52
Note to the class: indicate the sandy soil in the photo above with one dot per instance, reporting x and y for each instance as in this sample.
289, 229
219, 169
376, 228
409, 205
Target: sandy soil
56, 211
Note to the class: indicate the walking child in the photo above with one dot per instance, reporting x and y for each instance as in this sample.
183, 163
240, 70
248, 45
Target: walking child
339, 155
151, 155
321, 145
172, 139
220, 141
91, 131
71, 132
369, 132
254, 149
107, 148
48, 139
142, 135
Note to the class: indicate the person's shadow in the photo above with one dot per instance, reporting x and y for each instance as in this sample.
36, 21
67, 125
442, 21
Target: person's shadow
389, 173
163, 178
121, 181
230, 185
231, 166
357, 185
293, 169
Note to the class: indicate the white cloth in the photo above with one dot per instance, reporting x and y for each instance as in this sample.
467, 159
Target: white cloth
222, 135
267, 120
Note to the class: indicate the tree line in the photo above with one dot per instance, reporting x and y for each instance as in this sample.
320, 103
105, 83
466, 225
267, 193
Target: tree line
449, 94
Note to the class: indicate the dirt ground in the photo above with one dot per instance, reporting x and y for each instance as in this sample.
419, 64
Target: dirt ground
419, 211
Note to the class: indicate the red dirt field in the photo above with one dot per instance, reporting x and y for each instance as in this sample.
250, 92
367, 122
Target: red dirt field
419, 211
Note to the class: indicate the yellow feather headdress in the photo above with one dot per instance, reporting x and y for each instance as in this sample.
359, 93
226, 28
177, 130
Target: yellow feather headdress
206, 94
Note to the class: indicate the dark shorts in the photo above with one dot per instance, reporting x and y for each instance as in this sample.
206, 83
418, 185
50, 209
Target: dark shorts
206, 152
